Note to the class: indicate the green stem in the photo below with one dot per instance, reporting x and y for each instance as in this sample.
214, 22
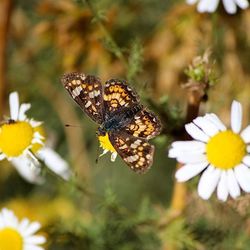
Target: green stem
116, 49
73, 180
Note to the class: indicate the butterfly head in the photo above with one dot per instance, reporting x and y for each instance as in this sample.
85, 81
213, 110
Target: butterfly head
101, 131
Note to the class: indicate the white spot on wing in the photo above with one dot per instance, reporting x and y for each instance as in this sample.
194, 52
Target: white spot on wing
88, 104
91, 94
96, 92
76, 92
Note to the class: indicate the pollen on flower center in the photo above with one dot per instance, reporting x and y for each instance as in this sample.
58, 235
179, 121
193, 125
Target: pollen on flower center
10, 239
225, 150
105, 143
15, 138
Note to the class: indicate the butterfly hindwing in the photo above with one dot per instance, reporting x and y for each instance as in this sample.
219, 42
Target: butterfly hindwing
87, 92
136, 152
117, 94
145, 125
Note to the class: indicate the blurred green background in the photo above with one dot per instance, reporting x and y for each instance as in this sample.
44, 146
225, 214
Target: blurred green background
107, 206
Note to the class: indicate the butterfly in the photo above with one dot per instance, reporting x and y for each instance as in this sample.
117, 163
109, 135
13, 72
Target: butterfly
120, 115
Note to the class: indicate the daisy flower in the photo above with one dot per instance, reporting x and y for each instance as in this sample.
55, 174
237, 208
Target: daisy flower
22, 143
211, 5
221, 154
106, 145
15, 235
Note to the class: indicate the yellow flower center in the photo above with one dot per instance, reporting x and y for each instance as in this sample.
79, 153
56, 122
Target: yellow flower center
15, 138
225, 150
10, 239
105, 143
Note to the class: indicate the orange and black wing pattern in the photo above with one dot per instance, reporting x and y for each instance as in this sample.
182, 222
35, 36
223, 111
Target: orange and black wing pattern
145, 125
117, 95
136, 152
87, 92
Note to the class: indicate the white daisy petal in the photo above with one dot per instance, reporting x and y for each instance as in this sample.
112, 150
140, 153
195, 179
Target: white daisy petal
230, 6
208, 182
192, 158
213, 5
34, 123
27, 170
242, 174
14, 105
37, 140
31, 229
23, 224
203, 5
222, 189
10, 220
188, 171
105, 151
187, 145
36, 239
113, 156
196, 133
246, 160
32, 247
236, 116
208, 127
38, 135
2, 225
232, 184
23, 109
175, 153
191, 1
33, 159
213, 118
243, 4
245, 134
54, 162
180, 148
2, 156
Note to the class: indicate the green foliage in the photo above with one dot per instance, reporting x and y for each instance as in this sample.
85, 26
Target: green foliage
135, 60
179, 236
113, 227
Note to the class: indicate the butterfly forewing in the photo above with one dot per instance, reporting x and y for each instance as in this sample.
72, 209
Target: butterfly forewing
117, 94
145, 124
136, 152
87, 91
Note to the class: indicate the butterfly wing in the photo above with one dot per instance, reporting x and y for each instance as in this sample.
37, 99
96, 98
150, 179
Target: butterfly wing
87, 92
145, 125
117, 95
136, 152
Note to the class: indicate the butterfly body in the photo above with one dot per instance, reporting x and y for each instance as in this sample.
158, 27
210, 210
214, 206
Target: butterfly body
119, 119
119, 113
